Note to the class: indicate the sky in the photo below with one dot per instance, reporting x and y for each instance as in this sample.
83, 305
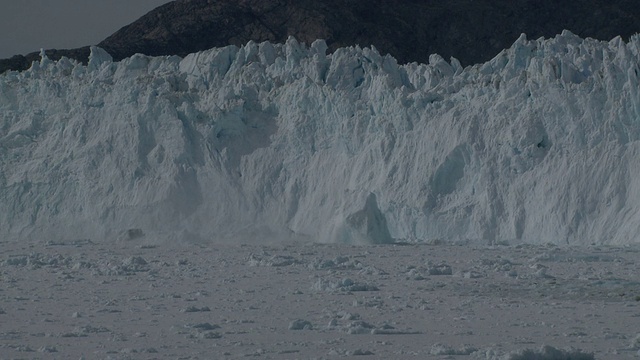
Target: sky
29, 25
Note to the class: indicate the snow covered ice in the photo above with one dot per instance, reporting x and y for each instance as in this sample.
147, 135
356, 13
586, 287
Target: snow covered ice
267, 142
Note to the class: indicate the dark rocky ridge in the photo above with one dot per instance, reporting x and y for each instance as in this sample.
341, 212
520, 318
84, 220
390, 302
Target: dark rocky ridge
471, 30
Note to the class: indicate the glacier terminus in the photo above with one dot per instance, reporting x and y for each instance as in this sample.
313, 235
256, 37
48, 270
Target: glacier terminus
266, 142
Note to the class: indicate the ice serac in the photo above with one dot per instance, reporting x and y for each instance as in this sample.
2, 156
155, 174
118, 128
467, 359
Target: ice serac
267, 141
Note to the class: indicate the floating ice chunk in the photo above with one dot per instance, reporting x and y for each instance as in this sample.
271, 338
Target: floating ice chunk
300, 324
548, 352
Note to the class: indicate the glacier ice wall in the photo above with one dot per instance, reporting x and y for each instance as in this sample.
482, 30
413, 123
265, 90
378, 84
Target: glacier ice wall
268, 141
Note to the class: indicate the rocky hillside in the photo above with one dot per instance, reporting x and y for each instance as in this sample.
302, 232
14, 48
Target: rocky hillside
471, 30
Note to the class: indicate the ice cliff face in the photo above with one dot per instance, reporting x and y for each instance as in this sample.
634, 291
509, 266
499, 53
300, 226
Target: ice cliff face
267, 141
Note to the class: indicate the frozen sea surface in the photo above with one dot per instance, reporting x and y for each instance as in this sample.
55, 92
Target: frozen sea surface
317, 301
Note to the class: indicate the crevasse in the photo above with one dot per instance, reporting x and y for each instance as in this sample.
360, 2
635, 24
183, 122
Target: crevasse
268, 142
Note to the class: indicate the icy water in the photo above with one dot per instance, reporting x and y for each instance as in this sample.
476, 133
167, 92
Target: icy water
303, 301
